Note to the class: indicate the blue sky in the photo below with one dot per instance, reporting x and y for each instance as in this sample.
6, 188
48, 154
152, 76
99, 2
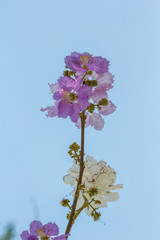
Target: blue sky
35, 37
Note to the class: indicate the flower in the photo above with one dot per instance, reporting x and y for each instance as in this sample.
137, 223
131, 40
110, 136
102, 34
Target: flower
98, 181
83, 62
99, 92
104, 83
72, 97
82, 90
105, 110
95, 119
37, 229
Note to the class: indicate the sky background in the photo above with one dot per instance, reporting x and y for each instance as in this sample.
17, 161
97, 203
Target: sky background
36, 35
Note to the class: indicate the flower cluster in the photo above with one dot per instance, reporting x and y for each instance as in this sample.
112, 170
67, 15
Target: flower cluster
97, 183
83, 87
44, 232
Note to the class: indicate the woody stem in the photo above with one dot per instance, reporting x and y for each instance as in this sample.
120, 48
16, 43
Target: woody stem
71, 219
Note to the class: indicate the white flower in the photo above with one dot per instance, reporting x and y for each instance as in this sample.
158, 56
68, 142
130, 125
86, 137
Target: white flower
97, 176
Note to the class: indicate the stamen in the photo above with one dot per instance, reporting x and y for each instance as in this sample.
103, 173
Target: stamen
85, 59
69, 97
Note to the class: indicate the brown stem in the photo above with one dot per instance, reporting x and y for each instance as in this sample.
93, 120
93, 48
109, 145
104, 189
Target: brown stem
71, 219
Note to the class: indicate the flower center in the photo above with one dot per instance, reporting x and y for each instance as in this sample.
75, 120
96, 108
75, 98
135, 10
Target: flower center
85, 59
92, 191
40, 233
45, 238
73, 97
69, 97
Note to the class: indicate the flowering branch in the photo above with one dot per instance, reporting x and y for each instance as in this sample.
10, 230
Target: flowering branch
71, 219
81, 94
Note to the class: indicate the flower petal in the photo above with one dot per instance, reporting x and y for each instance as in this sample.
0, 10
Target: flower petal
112, 196
110, 108
64, 109
24, 235
98, 95
69, 180
35, 226
96, 121
50, 229
52, 111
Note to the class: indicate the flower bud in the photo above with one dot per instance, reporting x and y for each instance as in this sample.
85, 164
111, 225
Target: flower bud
91, 83
97, 202
89, 72
103, 102
96, 216
65, 202
91, 108
92, 191
68, 216
65, 73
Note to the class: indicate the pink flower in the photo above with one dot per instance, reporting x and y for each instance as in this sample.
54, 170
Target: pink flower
96, 121
110, 108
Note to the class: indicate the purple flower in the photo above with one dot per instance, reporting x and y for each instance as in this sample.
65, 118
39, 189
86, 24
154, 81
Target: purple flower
72, 97
44, 231
87, 83
85, 61
50, 229
25, 235
99, 65
77, 61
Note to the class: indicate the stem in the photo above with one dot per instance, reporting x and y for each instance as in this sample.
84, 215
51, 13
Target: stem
71, 220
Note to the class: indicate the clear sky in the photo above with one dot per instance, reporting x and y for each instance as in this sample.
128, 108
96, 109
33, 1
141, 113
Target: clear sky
35, 37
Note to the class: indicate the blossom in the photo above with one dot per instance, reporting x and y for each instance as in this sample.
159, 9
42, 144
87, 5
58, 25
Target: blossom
97, 177
37, 229
72, 97
85, 61
104, 83
86, 84
95, 119
105, 110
